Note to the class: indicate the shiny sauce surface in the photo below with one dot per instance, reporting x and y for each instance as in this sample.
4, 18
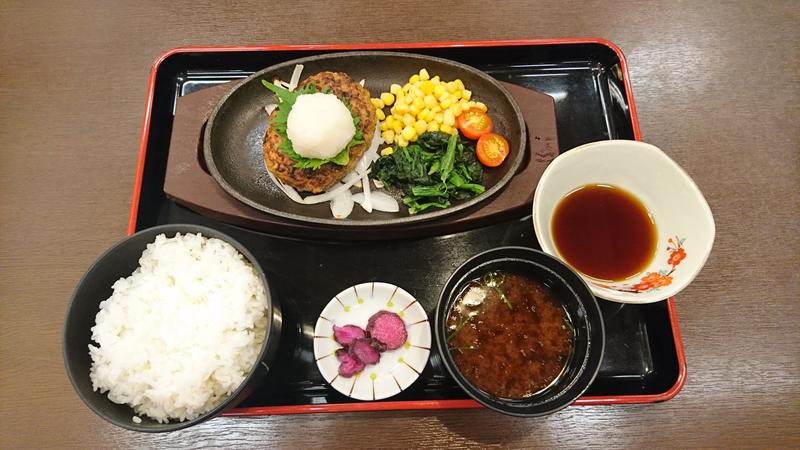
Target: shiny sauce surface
604, 232
508, 335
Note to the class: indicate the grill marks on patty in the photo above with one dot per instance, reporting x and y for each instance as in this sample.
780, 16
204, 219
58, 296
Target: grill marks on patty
315, 181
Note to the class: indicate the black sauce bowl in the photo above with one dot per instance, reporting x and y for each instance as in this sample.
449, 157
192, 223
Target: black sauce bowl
570, 290
95, 286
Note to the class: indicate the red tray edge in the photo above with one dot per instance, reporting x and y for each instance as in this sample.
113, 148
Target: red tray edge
418, 404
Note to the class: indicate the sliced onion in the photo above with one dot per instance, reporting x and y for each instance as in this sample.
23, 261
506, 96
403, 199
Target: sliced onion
381, 201
342, 205
362, 82
269, 108
329, 195
298, 70
378, 183
352, 175
371, 155
367, 205
281, 83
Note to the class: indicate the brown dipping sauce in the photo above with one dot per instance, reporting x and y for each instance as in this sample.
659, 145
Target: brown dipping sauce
509, 352
604, 232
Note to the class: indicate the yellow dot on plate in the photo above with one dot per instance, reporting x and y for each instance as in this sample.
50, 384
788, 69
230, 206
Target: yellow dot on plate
360, 300
333, 338
401, 360
373, 375
347, 309
402, 314
358, 375
407, 344
389, 303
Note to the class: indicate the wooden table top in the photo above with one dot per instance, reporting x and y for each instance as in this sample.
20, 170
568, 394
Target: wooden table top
716, 85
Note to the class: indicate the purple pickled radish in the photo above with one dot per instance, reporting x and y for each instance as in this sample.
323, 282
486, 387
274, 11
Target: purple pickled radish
342, 355
388, 328
349, 364
365, 351
347, 334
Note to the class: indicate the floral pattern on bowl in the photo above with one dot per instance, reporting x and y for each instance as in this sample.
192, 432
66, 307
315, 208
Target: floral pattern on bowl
655, 280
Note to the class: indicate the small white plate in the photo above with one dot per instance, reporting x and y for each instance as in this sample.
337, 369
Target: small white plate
397, 369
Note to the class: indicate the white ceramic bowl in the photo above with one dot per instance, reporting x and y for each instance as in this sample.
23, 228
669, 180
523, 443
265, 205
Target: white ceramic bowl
683, 219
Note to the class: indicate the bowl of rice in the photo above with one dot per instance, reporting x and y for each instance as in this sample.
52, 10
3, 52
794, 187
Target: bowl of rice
170, 327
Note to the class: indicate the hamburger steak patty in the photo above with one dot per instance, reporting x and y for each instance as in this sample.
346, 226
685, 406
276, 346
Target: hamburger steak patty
315, 181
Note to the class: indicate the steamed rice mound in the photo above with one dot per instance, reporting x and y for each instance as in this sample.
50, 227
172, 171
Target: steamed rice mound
180, 334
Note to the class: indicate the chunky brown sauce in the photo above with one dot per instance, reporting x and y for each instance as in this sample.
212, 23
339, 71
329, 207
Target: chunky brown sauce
508, 335
604, 232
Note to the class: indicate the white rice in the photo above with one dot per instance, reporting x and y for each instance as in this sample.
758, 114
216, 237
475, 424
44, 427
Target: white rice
180, 334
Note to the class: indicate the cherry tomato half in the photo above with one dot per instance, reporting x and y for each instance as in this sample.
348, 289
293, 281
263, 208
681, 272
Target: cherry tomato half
474, 123
492, 149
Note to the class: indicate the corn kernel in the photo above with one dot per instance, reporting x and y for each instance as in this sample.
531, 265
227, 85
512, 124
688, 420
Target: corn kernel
470, 104
413, 110
466, 95
408, 119
449, 118
384, 126
459, 84
438, 91
387, 98
446, 129
408, 99
464, 105
435, 79
395, 89
407, 87
380, 114
419, 103
387, 151
436, 109
426, 87
400, 108
377, 103
414, 78
397, 127
456, 109
439, 117
417, 92
401, 141
456, 95
388, 136
481, 106
409, 132
430, 116
451, 86
433, 126
446, 103
420, 126
429, 101
424, 75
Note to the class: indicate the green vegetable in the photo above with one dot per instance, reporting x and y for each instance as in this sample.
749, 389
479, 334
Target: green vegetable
287, 99
432, 172
449, 158
494, 281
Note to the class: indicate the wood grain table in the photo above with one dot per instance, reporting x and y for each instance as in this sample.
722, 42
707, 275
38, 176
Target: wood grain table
717, 85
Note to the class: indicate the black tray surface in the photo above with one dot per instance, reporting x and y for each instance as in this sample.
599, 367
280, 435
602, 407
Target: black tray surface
591, 104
